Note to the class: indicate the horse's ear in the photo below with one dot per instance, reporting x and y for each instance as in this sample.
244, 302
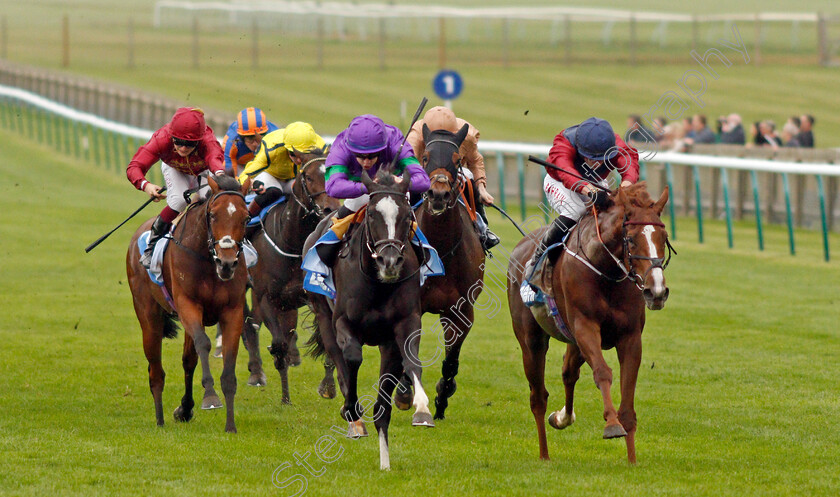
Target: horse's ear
660, 204
462, 133
366, 180
245, 186
214, 187
426, 132
406, 181
619, 197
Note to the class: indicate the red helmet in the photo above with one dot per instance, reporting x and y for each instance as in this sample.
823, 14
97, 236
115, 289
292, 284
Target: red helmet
188, 124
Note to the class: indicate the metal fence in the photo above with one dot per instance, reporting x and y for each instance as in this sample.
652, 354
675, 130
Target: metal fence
702, 185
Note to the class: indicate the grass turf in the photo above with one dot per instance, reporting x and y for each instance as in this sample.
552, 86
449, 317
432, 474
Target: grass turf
736, 394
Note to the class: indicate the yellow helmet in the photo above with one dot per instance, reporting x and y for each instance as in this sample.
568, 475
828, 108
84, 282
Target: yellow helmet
301, 137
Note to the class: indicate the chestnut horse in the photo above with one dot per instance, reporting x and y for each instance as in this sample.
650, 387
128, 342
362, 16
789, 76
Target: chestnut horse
277, 276
205, 275
448, 227
377, 303
613, 266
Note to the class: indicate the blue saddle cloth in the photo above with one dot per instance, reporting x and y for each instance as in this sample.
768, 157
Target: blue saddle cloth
318, 277
258, 219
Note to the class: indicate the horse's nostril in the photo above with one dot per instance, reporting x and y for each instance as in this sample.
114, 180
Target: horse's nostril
647, 293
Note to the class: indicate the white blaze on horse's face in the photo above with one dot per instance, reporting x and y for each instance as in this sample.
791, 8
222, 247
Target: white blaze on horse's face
227, 241
323, 169
657, 274
389, 210
231, 209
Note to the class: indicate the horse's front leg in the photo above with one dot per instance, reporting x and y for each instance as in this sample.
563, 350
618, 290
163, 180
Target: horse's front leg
351, 351
189, 360
390, 370
588, 336
456, 326
629, 351
251, 339
191, 315
231, 322
407, 334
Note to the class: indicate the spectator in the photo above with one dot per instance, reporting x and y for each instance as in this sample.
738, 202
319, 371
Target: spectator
806, 137
688, 129
673, 139
732, 131
637, 132
790, 134
756, 138
702, 134
767, 129
659, 128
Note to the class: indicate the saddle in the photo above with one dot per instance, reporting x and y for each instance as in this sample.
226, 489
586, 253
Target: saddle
542, 305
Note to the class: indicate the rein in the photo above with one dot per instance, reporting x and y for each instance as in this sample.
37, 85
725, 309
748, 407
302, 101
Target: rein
311, 207
626, 266
379, 245
226, 242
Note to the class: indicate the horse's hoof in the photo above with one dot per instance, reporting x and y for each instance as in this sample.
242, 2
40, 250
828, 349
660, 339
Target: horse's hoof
257, 379
422, 419
211, 402
356, 429
559, 420
614, 431
327, 391
182, 415
403, 400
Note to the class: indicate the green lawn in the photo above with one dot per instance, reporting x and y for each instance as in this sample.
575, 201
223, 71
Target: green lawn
736, 395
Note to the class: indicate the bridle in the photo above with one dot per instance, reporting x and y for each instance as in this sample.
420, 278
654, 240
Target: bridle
626, 266
454, 187
311, 206
381, 245
226, 241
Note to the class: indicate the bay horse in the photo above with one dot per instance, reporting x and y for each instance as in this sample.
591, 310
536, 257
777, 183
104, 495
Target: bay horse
377, 303
277, 277
449, 228
612, 267
205, 279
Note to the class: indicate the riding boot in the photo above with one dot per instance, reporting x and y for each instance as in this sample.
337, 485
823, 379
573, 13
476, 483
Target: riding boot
329, 252
159, 229
487, 237
554, 234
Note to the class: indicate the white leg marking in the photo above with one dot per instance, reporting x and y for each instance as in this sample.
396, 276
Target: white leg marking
389, 209
421, 401
231, 209
384, 455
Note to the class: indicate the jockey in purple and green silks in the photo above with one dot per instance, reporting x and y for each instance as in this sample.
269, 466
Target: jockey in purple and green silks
368, 144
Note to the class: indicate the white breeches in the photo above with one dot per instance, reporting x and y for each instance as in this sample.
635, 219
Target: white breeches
176, 184
566, 202
272, 182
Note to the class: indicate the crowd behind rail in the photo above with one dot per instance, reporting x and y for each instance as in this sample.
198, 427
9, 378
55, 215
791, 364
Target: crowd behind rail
682, 136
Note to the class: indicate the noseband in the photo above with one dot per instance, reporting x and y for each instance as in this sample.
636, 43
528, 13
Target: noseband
380, 245
227, 241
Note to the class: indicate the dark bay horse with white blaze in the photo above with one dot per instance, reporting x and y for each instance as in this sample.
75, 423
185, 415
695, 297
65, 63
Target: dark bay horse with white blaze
612, 267
377, 303
277, 276
204, 272
449, 229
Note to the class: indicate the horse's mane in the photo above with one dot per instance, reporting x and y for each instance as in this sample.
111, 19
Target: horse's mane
638, 195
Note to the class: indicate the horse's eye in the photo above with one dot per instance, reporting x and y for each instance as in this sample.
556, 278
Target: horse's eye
425, 159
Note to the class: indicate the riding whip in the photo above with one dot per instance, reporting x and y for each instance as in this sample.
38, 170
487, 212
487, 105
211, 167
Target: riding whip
549, 165
106, 235
405, 136
509, 218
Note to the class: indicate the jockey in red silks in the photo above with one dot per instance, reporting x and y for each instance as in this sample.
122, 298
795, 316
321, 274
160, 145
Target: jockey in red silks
186, 146
368, 144
593, 151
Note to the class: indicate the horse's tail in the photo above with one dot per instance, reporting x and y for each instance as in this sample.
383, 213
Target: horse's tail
170, 327
315, 345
